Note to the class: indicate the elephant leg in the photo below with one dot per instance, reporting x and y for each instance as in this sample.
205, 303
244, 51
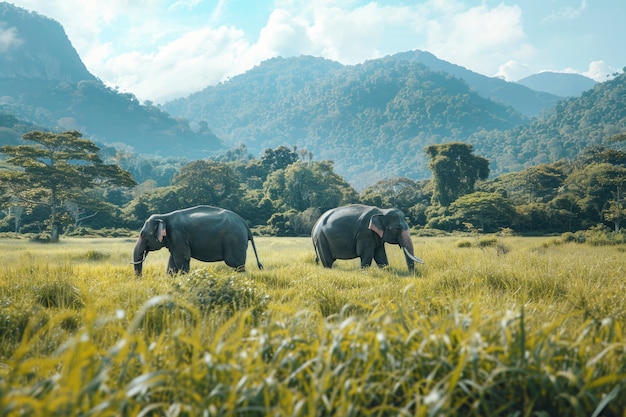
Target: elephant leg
235, 254
380, 257
176, 265
172, 269
365, 251
323, 252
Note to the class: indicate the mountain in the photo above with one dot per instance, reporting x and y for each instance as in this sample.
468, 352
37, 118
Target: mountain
522, 98
373, 119
32, 48
559, 83
44, 82
571, 126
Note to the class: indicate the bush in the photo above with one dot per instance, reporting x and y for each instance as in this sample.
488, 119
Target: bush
487, 241
58, 294
464, 244
222, 294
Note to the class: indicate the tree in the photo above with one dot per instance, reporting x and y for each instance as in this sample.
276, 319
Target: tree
599, 188
300, 186
208, 182
279, 158
455, 171
486, 210
399, 192
56, 169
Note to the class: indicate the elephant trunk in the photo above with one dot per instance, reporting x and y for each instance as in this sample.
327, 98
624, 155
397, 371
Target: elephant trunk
139, 256
407, 245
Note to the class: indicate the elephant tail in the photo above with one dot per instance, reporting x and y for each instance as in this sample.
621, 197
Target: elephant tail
258, 263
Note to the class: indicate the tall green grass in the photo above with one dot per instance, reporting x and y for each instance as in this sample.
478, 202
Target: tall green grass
535, 330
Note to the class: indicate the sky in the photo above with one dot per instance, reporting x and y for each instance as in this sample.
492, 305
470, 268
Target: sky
160, 50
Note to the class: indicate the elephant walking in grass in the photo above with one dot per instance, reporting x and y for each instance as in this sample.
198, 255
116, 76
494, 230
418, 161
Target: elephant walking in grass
204, 233
360, 231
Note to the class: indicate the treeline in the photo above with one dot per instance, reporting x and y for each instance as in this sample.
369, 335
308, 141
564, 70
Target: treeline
284, 191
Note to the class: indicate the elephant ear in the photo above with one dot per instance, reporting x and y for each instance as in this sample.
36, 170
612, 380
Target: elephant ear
161, 233
376, 224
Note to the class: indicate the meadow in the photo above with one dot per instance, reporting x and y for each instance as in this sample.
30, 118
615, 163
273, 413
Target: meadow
520, 326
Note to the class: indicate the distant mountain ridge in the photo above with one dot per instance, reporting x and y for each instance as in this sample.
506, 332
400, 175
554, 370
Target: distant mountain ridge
559, 83
523, 99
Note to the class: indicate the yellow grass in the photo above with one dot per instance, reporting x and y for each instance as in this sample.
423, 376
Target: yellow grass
535, 302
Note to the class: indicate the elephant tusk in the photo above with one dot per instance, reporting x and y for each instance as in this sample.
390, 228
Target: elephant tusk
412, 256
143, 259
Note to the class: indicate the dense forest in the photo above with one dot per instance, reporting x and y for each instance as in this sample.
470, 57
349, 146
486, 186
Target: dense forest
284, 191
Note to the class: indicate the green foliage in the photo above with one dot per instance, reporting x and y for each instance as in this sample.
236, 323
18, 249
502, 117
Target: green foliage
212, 293
300, 186
58, 294
488, 211
455, 171
207, 182
562, 133
55, 170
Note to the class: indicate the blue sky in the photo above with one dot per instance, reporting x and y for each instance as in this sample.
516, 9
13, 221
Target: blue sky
160, 50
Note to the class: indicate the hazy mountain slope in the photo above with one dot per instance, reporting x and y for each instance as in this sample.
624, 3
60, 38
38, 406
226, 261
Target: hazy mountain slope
33, 50
523, 99
43, 81
574, 124
558, 83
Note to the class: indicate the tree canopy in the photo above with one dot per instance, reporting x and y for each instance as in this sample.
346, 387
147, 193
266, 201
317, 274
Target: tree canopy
56, 169
455, 171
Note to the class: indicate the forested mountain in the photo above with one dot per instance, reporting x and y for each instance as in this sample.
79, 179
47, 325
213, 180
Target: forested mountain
373, 119
558, 83
573, 125
522, 98
43, 81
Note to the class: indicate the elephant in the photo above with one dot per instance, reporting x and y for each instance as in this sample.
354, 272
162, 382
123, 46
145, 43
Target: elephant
361, 231
204, 233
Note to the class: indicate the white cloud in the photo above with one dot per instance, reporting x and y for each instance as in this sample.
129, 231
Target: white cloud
480, 38
599, 71
567, 13
513, 71
187, 64
8, 39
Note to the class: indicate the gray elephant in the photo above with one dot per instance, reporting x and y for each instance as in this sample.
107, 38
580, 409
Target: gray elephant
360, 231
205, 233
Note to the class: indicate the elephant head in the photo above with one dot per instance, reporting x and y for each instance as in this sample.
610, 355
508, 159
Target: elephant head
391, 227
150, 239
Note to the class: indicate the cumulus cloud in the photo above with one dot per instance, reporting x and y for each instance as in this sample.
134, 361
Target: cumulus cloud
513, 71
479, 38
599, 71
187, 64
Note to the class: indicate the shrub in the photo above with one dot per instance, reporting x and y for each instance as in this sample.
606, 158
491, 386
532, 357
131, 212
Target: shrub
464, 244
222, 294
487, 241
58, 294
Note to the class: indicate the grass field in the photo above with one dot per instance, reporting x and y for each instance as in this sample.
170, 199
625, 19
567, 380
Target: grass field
520, 326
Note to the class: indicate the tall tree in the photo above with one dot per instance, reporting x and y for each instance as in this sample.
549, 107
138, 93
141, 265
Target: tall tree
57, 168
208, 182
455, 170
